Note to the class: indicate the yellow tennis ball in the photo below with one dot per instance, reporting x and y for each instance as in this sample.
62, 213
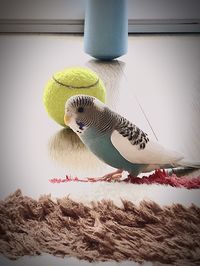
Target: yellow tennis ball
69, 82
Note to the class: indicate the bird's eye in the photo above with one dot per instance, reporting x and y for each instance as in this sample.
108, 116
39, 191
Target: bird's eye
80, 109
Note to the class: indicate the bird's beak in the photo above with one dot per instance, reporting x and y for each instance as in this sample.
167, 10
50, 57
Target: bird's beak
66, 119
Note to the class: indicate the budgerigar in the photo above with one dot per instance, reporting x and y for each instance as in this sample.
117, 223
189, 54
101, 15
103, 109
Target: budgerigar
117, 141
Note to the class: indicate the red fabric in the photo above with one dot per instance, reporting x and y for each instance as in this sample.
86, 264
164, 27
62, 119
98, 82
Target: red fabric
158, 177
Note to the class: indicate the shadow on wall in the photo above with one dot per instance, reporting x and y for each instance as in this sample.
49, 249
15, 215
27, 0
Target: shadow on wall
66, 149
111, 72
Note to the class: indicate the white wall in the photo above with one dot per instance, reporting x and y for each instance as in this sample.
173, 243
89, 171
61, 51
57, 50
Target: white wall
70, 9
42, 9
164, 9
138, 10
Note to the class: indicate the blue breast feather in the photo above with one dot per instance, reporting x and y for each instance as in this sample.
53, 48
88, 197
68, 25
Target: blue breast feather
102, 147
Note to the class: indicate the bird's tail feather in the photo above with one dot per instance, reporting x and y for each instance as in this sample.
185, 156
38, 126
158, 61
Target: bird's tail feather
179, 168
189, 164
184, 167
181, 171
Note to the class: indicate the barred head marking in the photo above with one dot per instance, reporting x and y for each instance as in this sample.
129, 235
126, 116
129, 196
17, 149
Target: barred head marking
82, 111
80, 101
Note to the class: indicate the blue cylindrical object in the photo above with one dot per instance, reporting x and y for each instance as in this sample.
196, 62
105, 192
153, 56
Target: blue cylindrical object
106, 28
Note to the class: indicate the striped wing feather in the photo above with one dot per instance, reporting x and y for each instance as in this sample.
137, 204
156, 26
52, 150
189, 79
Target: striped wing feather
153, 153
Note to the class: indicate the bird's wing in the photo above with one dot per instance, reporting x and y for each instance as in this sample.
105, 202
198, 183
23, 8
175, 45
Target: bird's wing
142, 150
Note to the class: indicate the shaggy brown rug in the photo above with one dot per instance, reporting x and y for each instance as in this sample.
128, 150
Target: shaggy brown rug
102, 232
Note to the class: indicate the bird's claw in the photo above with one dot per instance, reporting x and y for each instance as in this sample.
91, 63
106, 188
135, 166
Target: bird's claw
112, 177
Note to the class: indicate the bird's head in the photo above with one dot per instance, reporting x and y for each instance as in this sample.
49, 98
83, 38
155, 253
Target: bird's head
82, 111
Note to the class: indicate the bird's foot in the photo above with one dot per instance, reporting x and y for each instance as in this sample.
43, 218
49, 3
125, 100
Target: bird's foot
114, 176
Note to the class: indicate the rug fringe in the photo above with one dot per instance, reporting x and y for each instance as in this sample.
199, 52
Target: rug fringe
160, 177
